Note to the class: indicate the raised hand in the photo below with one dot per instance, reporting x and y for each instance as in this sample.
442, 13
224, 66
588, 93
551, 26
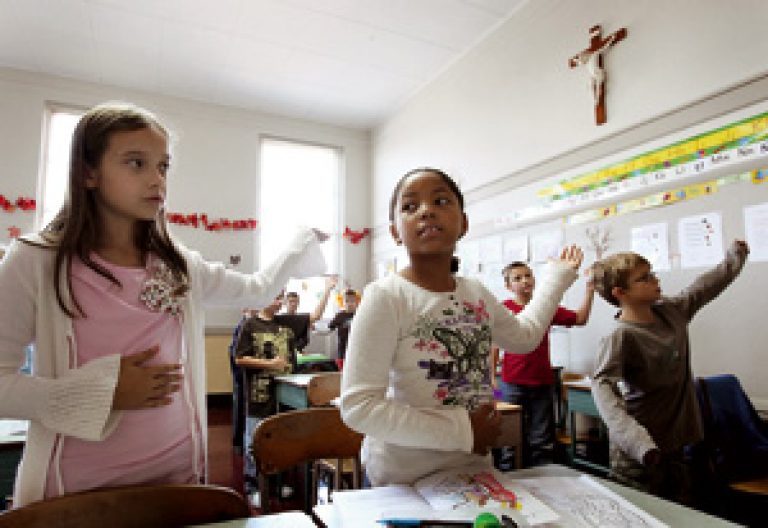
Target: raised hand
331, 281
486, 427
322, 236
572, 256
141, 386
741, 247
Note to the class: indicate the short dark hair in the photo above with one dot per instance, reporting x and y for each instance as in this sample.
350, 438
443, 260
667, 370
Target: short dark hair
349, 292
292, 294
512, 265
447, 179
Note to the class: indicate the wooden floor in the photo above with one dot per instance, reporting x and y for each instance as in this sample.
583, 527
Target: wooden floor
225, 468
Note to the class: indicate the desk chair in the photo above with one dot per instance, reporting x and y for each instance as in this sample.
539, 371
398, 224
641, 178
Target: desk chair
735, 446
291, 438
167, 506
321, 391
323, 388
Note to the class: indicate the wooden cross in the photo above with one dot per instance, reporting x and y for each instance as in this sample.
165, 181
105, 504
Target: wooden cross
593, 58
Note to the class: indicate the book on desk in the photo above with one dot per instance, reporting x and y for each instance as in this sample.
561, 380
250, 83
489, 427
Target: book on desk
550, 495
459, 494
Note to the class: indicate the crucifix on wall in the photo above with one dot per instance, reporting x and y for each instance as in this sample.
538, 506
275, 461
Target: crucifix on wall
592, 57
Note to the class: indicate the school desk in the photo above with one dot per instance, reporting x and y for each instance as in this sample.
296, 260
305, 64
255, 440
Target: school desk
670, 513
291, 391
292, 519
13, 434
580, 401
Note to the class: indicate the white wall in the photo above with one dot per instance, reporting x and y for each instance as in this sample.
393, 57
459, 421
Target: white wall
513, 101
512, 112
215, 163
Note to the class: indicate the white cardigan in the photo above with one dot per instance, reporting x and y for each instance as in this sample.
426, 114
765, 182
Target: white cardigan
60, 400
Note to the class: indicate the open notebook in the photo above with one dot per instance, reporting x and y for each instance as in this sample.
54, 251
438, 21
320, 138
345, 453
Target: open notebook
455, 494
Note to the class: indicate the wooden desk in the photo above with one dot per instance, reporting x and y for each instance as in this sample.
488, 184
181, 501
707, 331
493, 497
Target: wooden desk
292, 519
13, 434
580, 401
511, 429
291, 391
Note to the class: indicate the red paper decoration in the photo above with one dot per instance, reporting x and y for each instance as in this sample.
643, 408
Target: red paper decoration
14, 232
201, 221
355, 236
25, 204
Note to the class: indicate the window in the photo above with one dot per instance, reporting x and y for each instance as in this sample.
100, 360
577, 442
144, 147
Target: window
58, 140
299, 186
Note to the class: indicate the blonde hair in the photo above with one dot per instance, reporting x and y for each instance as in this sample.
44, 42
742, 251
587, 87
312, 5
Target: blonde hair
614, 271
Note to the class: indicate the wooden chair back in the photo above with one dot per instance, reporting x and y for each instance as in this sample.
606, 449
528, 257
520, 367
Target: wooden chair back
323, 388
163, 506
291, 438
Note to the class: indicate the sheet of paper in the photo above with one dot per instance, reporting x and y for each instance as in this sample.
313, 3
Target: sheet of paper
584, 503
701, 240
469, 258
546, 245
460, 489
13, 428
756, 229
491, 249
514, 248
362, 508
652, 242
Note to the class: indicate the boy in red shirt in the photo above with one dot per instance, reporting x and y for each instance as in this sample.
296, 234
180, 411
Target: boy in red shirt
526, 379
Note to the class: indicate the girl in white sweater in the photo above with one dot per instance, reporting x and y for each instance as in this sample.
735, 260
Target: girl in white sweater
416, 379
115, 309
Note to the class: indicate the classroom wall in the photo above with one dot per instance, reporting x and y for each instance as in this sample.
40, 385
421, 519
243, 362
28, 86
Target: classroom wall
215, 164
511, 112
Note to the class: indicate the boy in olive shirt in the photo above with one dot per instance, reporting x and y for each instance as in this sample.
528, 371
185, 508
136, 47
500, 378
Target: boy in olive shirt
643, 385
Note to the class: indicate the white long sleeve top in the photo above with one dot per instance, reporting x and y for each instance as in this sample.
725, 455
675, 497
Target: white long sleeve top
59, 399
418, 360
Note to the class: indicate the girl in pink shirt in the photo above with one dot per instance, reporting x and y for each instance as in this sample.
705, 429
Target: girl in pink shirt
113, 305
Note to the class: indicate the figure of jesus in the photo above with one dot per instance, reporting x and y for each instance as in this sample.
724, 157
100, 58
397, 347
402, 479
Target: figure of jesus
592, 57
594, 62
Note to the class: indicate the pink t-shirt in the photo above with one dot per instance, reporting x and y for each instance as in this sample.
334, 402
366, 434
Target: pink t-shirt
150, 446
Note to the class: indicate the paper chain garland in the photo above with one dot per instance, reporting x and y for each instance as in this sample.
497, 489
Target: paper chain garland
25, 204
355, 236
201, 221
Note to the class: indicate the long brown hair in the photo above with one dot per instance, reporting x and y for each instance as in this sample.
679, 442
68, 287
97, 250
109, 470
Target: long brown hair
75, 230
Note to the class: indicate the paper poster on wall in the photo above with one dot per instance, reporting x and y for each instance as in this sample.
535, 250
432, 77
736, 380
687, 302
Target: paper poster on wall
546, 245
490, 249
491, 265
701, 240
652, 242
514, 249
756, 229
469, 258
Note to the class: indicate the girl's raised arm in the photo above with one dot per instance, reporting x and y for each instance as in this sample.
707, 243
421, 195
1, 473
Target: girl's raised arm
302, 258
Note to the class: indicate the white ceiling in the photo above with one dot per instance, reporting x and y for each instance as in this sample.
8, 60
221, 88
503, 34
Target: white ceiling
345, 62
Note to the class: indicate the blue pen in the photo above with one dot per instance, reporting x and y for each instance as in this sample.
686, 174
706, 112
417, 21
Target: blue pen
422, 522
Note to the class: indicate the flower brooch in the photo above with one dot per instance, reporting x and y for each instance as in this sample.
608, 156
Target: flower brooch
162, 292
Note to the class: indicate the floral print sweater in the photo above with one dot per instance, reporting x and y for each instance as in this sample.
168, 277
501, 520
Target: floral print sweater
417, 361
